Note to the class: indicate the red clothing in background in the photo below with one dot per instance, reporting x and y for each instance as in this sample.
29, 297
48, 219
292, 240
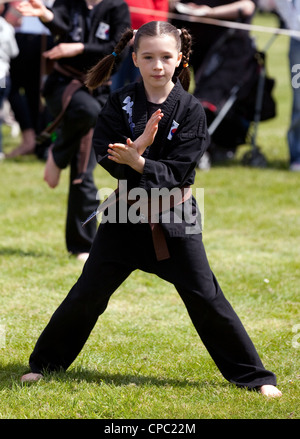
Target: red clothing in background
140, 18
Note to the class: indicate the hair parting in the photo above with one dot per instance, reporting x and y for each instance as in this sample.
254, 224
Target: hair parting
103, 69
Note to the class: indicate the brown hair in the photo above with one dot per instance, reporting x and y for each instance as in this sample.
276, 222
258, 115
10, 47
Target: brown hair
103, 69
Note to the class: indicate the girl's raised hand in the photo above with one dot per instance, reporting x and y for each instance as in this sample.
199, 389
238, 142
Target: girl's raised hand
131, 153
148, 136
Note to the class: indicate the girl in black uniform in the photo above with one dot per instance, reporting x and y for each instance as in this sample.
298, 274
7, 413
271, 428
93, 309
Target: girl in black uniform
147, 156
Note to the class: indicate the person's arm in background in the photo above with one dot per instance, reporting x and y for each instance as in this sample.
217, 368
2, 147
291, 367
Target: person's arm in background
36, 8
289, 12
232, 11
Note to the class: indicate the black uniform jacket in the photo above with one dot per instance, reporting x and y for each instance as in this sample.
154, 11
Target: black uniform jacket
170, 161
98, 29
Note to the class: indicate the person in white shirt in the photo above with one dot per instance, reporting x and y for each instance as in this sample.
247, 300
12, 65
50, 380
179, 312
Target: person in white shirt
28, 107
8, 50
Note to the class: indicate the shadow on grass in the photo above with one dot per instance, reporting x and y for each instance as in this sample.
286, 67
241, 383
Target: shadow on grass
9, 251
128, 379
28, 158
279, 165
11, 374
47, 255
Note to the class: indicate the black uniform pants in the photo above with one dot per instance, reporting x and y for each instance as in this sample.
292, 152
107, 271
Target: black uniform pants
82, 201
117, 251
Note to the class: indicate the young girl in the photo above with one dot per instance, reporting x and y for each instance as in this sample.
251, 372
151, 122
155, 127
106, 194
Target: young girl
160, 153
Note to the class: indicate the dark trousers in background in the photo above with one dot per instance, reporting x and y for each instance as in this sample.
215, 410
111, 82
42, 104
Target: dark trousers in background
117, 251
26, 80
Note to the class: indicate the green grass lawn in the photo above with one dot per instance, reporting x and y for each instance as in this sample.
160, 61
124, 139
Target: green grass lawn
144, 359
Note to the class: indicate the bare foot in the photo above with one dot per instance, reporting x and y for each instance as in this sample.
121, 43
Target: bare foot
23, 149
270, 391
31, 377
82, 256
52, 171
27, 146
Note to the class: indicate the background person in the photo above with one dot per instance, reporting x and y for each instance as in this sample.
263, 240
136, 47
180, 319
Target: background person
25, 93
84, 31
289, 11
222, 59
8, 50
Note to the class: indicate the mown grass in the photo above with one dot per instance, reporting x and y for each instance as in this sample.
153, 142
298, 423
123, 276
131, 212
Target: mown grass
144, 360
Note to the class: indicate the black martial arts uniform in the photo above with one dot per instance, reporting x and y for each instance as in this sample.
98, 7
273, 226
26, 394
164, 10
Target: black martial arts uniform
120, 248
99, 30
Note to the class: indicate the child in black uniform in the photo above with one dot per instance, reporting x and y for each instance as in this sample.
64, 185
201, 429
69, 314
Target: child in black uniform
84, 31
150, 136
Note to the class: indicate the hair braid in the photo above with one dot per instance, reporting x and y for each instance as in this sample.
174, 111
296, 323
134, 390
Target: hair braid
186, 48
103, 69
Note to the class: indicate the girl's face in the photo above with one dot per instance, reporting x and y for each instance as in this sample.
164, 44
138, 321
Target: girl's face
157, 57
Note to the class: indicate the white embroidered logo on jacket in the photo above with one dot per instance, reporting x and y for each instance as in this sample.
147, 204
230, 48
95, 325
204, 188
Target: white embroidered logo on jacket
173, 129
103, 31
128, 109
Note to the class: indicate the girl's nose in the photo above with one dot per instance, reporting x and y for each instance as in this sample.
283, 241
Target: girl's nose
158, 64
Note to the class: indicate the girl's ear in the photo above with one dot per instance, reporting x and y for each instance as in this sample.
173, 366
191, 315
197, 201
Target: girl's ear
179, 59
134, 59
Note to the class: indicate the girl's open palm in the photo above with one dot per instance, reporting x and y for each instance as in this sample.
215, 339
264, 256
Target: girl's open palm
131, 153
148, 136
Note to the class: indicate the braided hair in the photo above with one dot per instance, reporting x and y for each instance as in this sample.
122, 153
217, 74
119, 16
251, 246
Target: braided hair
103, 69
186, 49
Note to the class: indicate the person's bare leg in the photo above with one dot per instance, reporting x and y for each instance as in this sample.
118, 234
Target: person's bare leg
269, 390
27, 146
52, 171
